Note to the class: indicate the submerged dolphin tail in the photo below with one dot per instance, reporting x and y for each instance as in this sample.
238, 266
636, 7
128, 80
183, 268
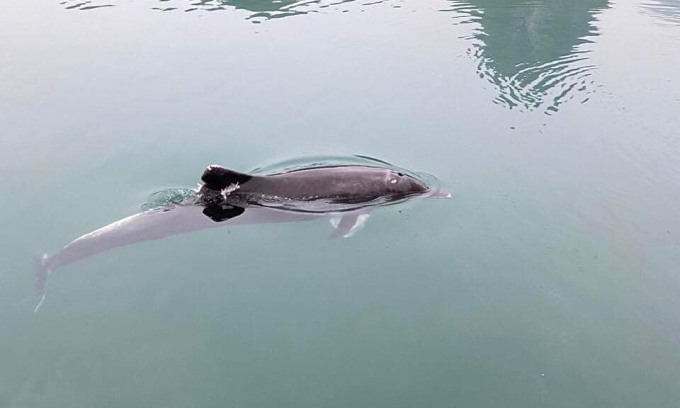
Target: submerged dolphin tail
41, 275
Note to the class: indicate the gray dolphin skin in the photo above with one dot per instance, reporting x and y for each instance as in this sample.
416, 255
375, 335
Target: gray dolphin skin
346, 193
320, 189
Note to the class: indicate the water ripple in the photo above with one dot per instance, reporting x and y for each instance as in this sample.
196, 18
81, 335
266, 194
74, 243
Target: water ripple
667, 11
532, 51
83, 5
260, 9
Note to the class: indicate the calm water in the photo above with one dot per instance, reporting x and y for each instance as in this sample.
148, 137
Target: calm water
550, 279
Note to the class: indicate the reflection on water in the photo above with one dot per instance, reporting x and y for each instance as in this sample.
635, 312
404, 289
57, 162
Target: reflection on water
530, 50
666, 10
83, 5
261, 9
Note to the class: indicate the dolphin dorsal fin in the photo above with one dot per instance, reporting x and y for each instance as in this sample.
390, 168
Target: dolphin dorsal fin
218, 178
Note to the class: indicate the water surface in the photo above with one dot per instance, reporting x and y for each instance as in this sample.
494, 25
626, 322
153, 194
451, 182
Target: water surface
549, 279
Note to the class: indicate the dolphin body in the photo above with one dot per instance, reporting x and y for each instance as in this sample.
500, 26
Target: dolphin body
344, 192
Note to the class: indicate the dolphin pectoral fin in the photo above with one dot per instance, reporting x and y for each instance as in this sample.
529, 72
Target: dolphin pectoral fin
348, 225
42, 273
218, 178
441, 194
219, 213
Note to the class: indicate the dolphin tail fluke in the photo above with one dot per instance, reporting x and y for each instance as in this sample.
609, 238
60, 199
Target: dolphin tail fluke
42, 273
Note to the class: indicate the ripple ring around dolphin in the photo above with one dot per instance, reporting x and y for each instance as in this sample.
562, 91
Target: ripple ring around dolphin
288, 165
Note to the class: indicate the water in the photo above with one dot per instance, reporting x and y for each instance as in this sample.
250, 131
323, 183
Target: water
548, 279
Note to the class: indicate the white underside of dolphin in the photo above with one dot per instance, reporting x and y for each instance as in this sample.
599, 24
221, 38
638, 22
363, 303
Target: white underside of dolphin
161, 223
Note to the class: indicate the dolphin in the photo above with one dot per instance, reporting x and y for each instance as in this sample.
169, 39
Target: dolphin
346, 193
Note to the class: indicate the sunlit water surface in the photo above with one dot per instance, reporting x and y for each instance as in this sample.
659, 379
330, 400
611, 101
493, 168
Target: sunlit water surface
549, 279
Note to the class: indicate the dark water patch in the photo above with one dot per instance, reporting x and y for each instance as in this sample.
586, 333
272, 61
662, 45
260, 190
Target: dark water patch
532, 51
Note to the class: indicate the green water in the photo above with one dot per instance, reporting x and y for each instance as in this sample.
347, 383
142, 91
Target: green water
549, 279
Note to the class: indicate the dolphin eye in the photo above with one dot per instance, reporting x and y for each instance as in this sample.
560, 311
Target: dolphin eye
400, 174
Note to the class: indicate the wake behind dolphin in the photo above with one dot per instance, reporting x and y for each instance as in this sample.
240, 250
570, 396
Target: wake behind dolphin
346, 192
